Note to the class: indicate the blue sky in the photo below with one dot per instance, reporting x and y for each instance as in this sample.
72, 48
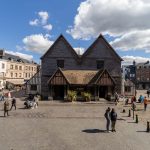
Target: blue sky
80, 21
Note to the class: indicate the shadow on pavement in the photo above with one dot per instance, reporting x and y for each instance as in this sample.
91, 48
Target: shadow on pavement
94, 131
22, 108
140, 109
142, 131
131, 122
1, 116
121, 119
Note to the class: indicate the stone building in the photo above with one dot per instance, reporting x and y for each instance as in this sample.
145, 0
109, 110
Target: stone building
98, 70
143, 75
17, 70
128, 85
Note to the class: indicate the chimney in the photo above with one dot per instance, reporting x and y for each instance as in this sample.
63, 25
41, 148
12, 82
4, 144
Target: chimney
134, 63
2, 53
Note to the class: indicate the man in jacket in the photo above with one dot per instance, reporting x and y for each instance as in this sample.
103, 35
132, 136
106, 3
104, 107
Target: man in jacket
6, 108
107, 116
113, 116
145, 103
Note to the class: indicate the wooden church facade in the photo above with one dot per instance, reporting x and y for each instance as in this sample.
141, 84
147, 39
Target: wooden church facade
97, 71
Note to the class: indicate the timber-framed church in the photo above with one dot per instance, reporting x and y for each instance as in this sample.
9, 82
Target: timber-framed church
97, 71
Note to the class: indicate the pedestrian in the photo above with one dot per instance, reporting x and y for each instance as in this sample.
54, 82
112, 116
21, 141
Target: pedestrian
145, 103
9, 95
2, 96
113, 116
6, 108
13, 103
36, 99
107, 116
133, 105
127, 101
116, 97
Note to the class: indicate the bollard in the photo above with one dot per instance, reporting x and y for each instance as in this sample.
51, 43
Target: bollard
133, 114
136, 120
129, 113
124, 111
148, 129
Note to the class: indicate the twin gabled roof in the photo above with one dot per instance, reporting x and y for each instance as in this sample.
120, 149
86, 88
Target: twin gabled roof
61, 37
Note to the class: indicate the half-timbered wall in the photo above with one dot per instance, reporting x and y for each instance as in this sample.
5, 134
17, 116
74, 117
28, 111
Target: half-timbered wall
58, 79
105, 80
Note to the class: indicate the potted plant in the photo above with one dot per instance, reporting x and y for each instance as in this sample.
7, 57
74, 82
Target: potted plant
87, 96
72, 95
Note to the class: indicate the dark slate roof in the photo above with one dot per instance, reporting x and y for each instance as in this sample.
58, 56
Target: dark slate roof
77, 57
15, 58
144, 64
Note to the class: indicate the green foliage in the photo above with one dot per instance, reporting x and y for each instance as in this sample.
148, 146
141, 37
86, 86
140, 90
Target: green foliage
72, 95
86, 96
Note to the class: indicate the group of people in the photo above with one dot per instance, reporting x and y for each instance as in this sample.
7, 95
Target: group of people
32, 102
141, 99
111, 118
9, 103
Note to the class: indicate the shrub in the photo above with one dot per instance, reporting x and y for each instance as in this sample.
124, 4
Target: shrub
72, 95
86, 96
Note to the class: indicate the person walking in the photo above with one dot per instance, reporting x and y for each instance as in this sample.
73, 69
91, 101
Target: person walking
107, 116
9, 95
2, 96
13, 103
145, 103
116, 97
113, 116
6, 108
36, 99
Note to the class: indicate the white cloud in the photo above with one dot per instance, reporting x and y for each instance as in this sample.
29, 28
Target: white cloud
19, 48
21, 55
138, 59
79, 50
111, 17
136, 40
34, 22
43, 16
37, 43
48, 27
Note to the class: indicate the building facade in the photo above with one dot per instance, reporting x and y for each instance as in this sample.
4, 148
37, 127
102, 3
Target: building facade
143, 75
128, 80
61, 68
15, 70
3, 66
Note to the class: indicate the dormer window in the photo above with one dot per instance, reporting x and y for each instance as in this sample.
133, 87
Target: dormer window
19, 60
100, 64
60, 63
9, 58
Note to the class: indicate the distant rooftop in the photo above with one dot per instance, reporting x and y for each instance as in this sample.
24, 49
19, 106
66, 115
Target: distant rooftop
10, 57
144, 64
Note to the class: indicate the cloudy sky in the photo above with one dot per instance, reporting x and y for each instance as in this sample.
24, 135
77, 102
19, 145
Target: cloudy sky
29, 27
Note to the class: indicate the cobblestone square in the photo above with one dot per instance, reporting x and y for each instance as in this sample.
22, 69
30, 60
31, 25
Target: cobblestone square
69, 126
